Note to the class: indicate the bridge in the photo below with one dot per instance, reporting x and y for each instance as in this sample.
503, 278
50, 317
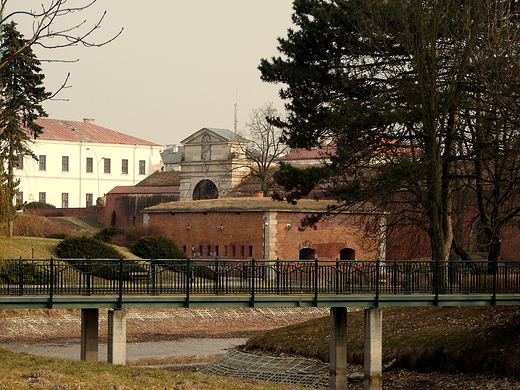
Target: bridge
92, 284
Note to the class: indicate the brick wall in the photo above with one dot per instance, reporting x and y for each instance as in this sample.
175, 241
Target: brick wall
329, 237
242, 235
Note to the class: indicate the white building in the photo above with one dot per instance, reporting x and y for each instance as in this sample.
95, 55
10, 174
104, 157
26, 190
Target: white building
81, 161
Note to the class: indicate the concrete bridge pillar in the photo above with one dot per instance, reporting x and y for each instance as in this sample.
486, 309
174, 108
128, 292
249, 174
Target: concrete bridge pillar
116, 353
89, 335
338, 348
373, 355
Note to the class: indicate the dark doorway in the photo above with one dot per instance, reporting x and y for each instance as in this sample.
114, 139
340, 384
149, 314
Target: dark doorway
205, 189
347, 254
307, 254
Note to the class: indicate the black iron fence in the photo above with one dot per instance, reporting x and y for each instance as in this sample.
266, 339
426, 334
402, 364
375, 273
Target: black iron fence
53, 277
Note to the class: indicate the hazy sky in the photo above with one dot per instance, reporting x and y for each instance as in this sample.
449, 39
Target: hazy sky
178, 66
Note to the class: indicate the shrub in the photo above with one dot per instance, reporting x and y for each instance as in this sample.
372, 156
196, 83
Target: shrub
157, 247
29, 225
60, 236
134, 233
79, 251
39, 205
86, 248
161, 248
10, 272
106, 234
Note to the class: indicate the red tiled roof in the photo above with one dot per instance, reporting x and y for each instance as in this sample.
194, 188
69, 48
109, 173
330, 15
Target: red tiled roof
62, 130
308, 154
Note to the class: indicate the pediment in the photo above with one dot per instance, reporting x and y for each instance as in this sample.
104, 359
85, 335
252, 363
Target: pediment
216, 136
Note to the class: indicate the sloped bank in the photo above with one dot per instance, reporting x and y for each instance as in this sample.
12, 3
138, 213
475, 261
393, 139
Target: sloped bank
470, 340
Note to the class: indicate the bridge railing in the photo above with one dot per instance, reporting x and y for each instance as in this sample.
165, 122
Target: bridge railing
48, 277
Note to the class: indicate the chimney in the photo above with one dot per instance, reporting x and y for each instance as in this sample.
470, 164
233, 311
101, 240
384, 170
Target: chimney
88, 120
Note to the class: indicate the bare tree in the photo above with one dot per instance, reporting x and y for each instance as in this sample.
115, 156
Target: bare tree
45, 20
264, 148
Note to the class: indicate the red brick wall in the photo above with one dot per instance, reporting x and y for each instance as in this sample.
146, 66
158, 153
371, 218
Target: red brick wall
329, 237
238, 230
245, 230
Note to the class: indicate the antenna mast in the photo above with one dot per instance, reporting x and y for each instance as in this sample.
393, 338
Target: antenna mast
236, 112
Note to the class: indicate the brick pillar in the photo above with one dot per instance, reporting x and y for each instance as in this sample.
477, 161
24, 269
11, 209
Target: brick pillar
89, 335
116, 349
338, 348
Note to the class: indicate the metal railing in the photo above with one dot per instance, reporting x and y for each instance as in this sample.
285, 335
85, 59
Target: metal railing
56, 277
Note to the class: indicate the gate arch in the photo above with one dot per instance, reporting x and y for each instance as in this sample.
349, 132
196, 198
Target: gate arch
205, 189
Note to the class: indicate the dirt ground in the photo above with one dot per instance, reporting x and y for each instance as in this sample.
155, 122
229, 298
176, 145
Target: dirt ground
153, 324
175, 324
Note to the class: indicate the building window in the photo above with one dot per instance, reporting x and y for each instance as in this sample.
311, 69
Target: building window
107, 165
90, 200
64, 200
42, 197
19, 162
124, 166
250, 251
142, 167
90, 165
19, 198
42, 162
64, 163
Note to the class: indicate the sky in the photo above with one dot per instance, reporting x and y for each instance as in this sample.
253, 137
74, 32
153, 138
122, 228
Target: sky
178, 66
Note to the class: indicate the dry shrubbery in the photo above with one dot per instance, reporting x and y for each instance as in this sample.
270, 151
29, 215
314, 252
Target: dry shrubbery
29, 225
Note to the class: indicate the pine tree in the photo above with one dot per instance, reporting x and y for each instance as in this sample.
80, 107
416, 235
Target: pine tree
22, 93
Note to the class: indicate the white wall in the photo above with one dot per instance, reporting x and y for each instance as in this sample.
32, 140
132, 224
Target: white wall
77, 182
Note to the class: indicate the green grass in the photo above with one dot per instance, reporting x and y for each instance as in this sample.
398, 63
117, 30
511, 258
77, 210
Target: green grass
461, 339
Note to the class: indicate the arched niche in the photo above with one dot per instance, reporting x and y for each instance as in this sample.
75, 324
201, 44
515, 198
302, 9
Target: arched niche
347, 254
307, 254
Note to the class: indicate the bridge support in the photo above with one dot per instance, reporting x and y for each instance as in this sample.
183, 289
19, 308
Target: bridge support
338, 348
89, 335
373, 355
116, 353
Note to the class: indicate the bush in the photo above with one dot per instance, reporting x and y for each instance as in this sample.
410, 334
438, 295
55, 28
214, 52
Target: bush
160, 248
157, 247
106, 234
80, 249
86, 248
31, 225
134, 233
39, 205
10, 272
60, 236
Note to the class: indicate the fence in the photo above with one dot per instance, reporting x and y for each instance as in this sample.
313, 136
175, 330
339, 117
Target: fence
53, 277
